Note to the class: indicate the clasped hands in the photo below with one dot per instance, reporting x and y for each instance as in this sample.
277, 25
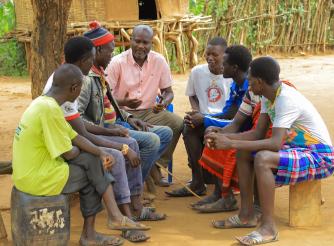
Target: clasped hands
215, 139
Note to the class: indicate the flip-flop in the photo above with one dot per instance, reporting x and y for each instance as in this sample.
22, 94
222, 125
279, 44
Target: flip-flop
148, 215
135, 236
183, 192
205, 200
127, 224
255, 238
218, 206
234, 222
101, 239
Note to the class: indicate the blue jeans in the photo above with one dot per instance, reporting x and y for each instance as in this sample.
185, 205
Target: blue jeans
152, 144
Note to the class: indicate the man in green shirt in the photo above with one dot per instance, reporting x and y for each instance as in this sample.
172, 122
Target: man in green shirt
50, 158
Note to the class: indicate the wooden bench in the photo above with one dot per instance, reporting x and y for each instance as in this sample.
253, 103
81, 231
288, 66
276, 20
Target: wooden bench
304, 204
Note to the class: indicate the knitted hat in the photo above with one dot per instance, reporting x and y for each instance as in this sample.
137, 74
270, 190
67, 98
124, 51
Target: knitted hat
98, 34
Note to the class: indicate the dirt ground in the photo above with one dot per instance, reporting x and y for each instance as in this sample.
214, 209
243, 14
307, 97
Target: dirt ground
312, 76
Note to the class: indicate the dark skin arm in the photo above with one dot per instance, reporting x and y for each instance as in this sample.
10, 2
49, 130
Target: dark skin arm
138, 124
85, 145
79, 126
233, 127
194, 103
70, 155
128, 102
113, 130
229, 115
252, 141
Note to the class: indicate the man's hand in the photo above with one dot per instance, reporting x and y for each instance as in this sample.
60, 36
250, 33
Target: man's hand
194, 119
118, 131
130, 103
213, 129
107, 160
217, 141
160, 105
133, 158
138, 124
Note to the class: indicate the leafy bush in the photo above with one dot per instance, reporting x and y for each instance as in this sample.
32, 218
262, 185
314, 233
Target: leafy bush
12, 54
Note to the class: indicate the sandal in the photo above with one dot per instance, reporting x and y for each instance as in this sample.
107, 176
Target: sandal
218, 206
127, 224
148, 215
135, 236
101, 239
183, 192
233, 222
255, 238
205, 200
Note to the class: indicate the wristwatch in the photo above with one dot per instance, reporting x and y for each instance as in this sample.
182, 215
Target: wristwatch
125, 149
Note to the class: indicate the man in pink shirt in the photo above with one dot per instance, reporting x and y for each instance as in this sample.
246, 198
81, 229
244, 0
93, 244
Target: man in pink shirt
137, 77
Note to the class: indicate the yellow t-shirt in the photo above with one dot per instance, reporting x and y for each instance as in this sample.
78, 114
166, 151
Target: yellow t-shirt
42, 136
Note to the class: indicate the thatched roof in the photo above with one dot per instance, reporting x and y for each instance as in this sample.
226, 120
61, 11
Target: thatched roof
103, 10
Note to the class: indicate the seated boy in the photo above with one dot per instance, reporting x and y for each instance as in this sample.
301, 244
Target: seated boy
300, 148
236, 59
42, 143
208, 91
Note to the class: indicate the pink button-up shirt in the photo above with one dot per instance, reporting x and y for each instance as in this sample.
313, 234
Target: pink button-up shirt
143, 83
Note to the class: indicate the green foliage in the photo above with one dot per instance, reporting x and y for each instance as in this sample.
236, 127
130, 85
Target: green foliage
12, 55
196, 6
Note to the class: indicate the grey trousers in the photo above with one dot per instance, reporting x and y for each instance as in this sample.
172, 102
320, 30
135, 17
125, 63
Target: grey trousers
163, 118
87, 176
128, 180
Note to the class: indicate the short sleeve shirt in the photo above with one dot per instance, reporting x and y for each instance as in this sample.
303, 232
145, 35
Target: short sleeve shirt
211, 90
249, 102
42, 136
293, 111
144, 83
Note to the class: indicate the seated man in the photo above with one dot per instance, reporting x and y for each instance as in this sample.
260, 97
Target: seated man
236, 61
136, 76
128, 185
208, 91
97, 106
300, 148
218, 161
42, 143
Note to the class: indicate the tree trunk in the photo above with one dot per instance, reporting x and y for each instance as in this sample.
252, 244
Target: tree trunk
47, 40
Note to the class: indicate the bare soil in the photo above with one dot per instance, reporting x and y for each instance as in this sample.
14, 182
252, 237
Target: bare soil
312, 75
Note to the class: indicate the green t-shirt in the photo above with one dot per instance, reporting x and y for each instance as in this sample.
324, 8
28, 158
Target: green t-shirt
41, 137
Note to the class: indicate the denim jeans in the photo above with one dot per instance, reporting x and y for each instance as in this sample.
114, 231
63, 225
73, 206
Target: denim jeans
152, 144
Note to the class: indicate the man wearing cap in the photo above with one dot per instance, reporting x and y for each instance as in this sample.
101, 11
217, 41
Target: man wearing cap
137, 77
96, 105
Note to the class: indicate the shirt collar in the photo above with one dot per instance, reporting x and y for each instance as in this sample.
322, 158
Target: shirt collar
131, 60
244, 87
95, 72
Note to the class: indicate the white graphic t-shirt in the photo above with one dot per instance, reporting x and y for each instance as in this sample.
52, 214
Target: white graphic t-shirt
211, 90
293, 111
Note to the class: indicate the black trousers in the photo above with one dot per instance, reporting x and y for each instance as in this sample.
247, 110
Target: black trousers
193, 140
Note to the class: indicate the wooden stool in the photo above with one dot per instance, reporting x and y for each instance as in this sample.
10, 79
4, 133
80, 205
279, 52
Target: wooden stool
304, 204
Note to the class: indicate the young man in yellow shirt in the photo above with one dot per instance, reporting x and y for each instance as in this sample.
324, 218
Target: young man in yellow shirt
50, 158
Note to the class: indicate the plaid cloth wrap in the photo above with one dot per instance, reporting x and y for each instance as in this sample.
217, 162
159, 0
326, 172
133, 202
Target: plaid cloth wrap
298, 164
